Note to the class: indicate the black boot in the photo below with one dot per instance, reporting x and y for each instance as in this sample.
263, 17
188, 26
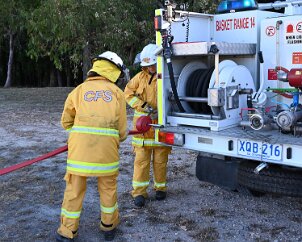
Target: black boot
109, 235
61, 238
160, 195
139, 201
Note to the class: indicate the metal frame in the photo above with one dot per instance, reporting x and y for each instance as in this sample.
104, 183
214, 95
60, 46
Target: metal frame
225, 141
219, 142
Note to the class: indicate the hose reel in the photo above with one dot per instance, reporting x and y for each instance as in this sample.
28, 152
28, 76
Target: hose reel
186, 83
200, 93
197, 86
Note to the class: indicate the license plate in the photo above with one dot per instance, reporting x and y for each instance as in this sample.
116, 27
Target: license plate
259, 150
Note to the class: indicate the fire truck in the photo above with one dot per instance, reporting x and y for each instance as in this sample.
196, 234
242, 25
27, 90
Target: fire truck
229, 85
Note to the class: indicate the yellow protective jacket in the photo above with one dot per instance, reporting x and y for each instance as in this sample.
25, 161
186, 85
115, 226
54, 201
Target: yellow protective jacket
142, 89
95, 115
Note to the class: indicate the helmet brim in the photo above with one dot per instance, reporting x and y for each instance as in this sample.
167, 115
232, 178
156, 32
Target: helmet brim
148, 64
122, 68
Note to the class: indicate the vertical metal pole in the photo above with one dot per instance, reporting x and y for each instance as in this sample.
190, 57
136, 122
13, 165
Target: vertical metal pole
216, 69
278, 23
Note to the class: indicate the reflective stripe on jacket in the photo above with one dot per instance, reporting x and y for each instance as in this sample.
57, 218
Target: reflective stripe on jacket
95, 116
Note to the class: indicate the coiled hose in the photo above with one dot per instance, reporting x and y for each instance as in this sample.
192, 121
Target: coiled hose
197, 86
173, 86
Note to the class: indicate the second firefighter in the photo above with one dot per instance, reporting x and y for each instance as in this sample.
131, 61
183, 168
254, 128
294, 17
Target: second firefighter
141, 95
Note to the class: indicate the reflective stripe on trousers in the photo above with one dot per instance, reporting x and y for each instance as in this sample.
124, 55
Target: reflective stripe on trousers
109, 209
69, 214
144, 142
159, 185
140, 184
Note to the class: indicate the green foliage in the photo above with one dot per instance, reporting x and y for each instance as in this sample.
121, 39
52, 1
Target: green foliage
61, 29
56, 31
13, 15
201, 6
62, 33
205, 6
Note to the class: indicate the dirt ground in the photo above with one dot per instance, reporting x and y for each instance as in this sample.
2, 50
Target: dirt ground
30, 198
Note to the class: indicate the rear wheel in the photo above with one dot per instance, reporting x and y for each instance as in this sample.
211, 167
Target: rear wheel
274, 179
248, 192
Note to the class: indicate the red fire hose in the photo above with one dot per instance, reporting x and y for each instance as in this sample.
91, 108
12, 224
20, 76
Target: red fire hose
29, 162
142, 126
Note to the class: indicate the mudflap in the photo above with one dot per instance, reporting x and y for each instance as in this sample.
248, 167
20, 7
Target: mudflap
220, 171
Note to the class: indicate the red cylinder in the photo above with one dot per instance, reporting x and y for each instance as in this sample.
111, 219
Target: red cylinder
295, 77
143, 124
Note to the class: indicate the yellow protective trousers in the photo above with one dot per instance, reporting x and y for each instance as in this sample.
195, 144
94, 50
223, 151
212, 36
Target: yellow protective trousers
141, 174
73, 201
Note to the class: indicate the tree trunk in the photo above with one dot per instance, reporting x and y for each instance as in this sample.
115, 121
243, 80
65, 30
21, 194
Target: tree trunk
59, 78
8, 82
86, 60
46, 69
68, 76
52, 77
2, 75
131, 55
19, 70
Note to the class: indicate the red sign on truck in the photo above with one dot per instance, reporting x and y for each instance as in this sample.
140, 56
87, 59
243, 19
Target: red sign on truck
271, 74
297, 58
235, 23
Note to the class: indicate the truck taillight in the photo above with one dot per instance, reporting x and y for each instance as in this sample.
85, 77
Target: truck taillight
171, 138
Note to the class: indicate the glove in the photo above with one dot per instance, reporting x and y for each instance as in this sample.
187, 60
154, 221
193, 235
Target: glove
151, 112
149, 109
153, 115
146, 108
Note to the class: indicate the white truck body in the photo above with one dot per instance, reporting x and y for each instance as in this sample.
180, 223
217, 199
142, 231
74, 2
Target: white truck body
239, 36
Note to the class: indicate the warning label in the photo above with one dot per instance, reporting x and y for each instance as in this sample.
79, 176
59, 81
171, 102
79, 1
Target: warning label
271, 74
297, 58
299, 27
293, 39
293, 33
270, 31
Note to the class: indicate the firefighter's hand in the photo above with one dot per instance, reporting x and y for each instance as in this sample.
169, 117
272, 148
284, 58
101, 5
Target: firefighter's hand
148, 109
154, 115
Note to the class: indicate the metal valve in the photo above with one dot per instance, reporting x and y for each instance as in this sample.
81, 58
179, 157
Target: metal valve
287, 118
258, 121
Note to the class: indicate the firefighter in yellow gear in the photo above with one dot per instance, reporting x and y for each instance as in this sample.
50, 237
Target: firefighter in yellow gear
141, 95
95, 116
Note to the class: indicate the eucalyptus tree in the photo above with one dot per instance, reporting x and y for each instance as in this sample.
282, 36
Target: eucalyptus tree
201, 6
71, 32
205, 6
56, 32
12, 18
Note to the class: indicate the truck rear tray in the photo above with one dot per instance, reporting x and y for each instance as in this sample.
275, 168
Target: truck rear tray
269, 146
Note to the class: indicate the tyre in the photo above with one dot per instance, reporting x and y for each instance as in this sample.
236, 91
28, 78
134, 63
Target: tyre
248, 192
274, 179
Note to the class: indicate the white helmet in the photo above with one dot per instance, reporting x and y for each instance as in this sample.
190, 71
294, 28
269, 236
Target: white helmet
149, 53
112, 57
